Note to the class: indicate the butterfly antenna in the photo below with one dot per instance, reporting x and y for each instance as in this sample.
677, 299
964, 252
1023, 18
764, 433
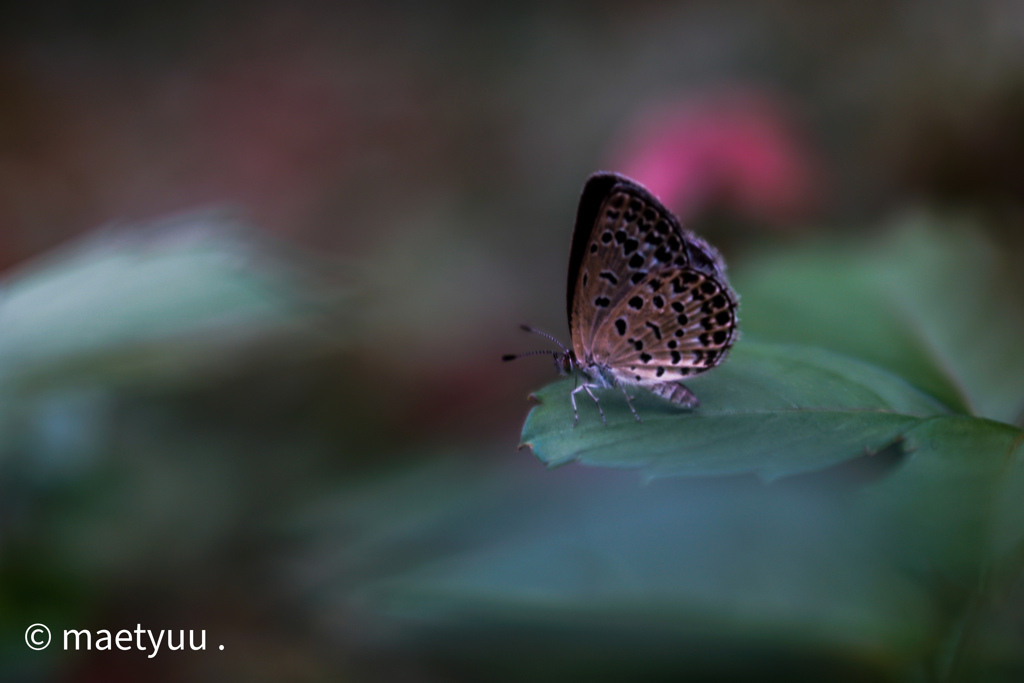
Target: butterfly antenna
513, 356
527, 328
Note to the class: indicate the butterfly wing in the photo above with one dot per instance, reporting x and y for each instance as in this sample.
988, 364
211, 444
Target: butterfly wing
674, 324
647, 300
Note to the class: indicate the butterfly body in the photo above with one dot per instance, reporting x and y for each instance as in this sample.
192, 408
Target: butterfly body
648, 302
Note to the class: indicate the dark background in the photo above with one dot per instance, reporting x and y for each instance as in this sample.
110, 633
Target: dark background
429, 158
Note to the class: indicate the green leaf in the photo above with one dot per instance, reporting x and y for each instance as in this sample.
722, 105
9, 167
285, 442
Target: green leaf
957, 501
156, 299
568, 573
771, 409
558, 574
167, 304
869, 340
911, 342
935, 304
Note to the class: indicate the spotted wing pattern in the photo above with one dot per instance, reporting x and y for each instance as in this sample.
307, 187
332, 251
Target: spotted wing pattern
649, 301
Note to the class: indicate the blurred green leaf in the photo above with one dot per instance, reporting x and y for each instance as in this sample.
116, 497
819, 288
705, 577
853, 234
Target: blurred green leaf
577, 571
177, 304
581, 572
157, 299
935, 304
957, 502
772, 409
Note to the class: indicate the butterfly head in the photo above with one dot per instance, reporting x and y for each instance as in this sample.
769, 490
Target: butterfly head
566, 363
565, 360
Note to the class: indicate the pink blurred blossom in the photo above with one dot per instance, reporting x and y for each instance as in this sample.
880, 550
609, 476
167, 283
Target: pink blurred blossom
740, 147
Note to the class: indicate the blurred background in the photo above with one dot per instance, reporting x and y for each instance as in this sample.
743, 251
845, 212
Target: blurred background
262, 258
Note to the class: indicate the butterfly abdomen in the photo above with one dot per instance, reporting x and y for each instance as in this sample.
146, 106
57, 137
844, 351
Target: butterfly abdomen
676, 393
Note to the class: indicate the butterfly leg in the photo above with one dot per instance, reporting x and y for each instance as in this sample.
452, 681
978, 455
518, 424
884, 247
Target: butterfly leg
575, 412
596, 403
572, 398
629, 402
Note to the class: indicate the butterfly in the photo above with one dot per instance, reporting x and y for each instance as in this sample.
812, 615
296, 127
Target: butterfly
648, 302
